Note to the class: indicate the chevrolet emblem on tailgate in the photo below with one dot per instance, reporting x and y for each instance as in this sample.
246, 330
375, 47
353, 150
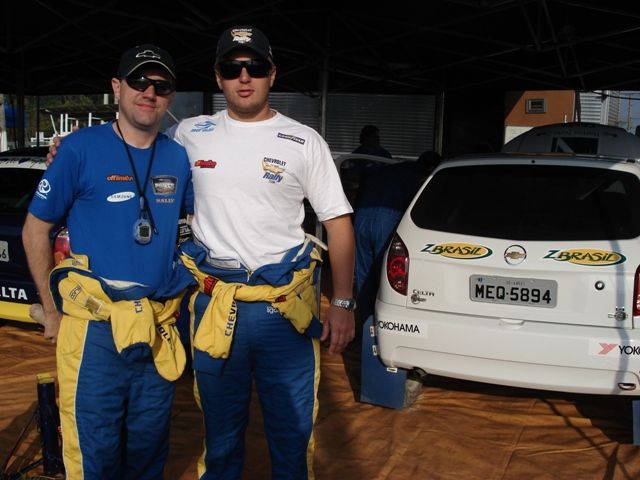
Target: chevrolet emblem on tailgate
515, 254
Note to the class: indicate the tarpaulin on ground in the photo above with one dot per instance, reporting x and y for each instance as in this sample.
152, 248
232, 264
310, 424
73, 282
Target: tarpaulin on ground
455, 430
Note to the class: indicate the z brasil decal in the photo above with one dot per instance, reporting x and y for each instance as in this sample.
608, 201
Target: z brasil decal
462, 251
586, 256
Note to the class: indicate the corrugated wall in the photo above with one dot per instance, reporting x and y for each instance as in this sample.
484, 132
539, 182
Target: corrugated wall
599, 107
407, 123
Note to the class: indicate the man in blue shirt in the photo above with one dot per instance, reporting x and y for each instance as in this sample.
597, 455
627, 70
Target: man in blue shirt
121, 187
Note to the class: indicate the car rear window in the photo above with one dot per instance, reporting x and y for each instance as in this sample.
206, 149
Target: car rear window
531, 202
17, 186
586, 145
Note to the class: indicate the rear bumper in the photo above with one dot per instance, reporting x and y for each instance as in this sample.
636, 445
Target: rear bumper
18, 312
567, 358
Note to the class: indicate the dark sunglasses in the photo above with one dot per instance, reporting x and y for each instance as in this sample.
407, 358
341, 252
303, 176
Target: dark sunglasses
230, 69
141, 83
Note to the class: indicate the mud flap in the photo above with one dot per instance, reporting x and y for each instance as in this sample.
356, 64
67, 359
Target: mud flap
379, 384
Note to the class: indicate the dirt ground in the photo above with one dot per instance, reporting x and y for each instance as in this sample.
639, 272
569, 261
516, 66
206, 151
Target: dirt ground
455, 429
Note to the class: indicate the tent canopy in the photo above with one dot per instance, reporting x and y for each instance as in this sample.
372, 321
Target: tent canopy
413, 47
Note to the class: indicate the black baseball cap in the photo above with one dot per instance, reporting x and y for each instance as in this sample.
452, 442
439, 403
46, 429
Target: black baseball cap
244, 38
142, 55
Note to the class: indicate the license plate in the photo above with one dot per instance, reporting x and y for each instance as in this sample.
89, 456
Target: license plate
532, 292
4, 251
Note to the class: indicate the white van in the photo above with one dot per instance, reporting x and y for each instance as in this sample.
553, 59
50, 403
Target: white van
521, 270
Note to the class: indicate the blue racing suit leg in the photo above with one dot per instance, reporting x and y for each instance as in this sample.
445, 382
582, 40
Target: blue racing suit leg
147, 423
287, 370
224, 398
285, 365
116, 413
374, 228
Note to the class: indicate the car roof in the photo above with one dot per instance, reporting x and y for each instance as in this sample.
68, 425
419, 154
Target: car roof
578, 138
29, 158
564, 159
362, 156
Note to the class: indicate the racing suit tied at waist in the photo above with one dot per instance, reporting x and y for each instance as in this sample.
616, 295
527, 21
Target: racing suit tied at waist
80, 295
296, 301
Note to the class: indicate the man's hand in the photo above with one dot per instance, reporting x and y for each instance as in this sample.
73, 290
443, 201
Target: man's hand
53, 149
52, 325
340, 325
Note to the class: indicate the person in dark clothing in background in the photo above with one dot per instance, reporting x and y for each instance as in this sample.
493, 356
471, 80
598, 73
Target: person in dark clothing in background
370, 142
384, 195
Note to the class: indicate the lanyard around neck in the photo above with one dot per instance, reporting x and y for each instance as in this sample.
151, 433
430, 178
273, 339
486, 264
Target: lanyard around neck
144, 205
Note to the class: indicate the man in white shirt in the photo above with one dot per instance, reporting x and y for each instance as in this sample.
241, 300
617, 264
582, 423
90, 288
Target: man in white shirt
252, 168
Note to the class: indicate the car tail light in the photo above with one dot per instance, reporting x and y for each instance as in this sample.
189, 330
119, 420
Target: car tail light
61, 246
398, 265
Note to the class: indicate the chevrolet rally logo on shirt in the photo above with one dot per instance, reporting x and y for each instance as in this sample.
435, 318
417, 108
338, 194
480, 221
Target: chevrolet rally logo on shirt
272, 168
273, 165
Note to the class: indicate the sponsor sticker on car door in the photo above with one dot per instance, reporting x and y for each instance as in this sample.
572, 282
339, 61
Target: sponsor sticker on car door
4, 251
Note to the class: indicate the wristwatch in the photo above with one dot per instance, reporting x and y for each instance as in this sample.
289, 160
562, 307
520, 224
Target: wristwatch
346, 303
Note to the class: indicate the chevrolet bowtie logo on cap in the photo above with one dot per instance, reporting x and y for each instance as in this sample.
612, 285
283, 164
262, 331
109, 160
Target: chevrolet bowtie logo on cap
148, 54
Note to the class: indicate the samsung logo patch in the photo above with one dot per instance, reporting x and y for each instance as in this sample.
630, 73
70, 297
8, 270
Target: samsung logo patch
120, 197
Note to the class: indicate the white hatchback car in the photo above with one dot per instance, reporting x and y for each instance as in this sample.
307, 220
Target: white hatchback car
519, 269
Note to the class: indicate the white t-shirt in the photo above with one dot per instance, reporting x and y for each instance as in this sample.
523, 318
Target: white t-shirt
250, 180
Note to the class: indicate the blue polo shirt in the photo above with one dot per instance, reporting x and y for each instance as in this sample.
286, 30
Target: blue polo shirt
91, 183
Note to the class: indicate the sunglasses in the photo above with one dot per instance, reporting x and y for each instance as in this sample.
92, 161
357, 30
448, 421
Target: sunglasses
231, 69
141, 83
